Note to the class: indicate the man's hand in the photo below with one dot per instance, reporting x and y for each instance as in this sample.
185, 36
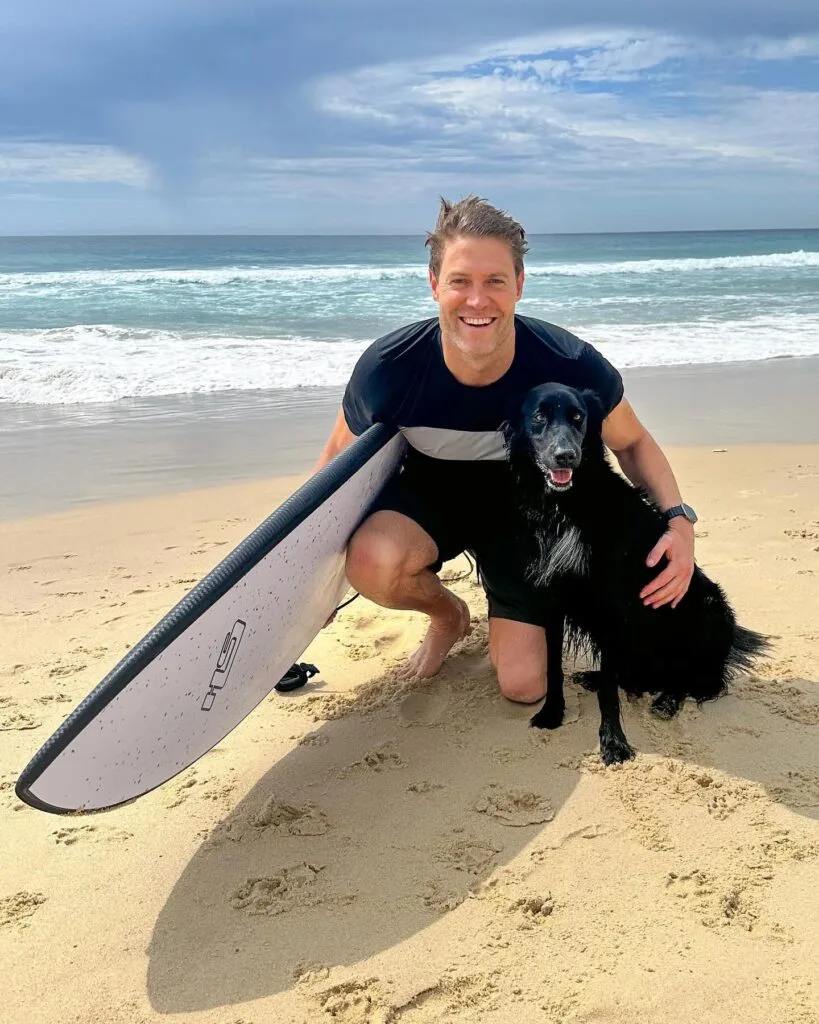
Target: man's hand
677, 544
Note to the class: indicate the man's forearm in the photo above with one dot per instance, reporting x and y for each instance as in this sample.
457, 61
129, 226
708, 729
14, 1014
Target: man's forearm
646, 466
340, 437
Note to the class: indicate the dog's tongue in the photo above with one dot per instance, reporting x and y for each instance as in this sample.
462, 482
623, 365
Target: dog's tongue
560, 476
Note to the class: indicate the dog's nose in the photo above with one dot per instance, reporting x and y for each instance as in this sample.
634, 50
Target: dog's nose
566, 457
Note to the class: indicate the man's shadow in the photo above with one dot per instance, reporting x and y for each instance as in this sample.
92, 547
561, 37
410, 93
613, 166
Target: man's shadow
384, 818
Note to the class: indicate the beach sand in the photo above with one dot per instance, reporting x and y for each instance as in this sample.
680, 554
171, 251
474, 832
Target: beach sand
367, 850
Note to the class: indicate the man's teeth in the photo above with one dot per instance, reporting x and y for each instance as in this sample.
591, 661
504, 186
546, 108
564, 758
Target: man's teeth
477, 321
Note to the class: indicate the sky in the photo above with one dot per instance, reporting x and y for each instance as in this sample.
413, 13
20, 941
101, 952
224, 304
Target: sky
354, 116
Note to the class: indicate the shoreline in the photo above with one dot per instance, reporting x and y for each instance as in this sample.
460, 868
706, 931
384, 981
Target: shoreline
67, 457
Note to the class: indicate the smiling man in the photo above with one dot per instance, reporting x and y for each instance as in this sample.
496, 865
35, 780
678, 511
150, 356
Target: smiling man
448, 384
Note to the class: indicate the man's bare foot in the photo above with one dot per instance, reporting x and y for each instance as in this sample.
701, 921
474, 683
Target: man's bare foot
444, 631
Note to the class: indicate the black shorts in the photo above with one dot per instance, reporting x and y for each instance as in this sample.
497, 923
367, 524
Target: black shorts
496, 536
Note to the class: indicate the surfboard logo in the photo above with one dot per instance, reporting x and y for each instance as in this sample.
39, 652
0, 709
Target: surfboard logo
224, 663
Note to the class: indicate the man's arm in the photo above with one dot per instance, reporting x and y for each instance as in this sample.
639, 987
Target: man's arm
645, 465
340, 437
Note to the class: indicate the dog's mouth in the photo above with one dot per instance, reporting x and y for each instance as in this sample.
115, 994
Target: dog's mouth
559, 479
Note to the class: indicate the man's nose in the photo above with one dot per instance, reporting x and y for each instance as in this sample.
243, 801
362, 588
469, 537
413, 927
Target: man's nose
476, 298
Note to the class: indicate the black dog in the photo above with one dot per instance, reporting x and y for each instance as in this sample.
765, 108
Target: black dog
594, 532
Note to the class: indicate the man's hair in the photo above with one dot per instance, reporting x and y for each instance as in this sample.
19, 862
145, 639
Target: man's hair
474, 217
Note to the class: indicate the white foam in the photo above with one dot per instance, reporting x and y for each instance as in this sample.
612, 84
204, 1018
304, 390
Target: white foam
214, 277
104, 363
705, 340
351, 273
772, 261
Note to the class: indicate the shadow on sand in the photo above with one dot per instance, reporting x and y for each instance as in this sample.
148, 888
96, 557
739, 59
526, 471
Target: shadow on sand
410, 796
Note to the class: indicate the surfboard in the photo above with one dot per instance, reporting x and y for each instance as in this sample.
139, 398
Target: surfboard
219, 652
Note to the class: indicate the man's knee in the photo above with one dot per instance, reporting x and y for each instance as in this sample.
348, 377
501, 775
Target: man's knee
385, 550
517, 651
525, 684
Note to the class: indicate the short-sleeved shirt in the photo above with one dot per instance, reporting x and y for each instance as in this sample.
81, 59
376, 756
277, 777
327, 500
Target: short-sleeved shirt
455, 480
402, 380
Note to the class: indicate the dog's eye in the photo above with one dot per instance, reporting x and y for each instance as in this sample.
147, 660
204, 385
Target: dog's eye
539, 416
577, 417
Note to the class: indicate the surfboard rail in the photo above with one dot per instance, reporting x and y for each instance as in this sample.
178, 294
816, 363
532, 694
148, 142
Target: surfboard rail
270, 533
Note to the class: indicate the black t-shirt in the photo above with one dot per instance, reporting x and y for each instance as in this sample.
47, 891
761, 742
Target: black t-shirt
402, 380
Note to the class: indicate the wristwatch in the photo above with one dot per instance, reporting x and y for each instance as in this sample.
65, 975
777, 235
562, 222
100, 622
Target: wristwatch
681, 510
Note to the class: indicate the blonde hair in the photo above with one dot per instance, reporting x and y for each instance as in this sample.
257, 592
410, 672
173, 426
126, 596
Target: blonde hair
473, 217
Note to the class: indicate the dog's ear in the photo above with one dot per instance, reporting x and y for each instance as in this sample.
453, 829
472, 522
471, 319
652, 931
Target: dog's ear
594, 408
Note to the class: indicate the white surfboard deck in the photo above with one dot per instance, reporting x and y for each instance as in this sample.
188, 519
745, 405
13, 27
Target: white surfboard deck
220, 651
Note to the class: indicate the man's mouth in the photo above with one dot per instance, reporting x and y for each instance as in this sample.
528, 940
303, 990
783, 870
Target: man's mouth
477, 322
559, 479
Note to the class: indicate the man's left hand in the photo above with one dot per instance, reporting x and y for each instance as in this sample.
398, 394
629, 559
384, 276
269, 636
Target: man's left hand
677, 544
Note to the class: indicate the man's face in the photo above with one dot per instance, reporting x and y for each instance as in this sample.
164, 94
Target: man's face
476, 291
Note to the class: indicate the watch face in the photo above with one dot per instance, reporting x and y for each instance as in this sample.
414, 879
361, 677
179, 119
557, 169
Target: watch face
690, 514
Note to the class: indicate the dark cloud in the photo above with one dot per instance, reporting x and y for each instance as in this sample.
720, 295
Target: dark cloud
176, 82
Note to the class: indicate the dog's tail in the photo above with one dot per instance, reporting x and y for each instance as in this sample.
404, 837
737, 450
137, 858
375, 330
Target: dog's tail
746, 647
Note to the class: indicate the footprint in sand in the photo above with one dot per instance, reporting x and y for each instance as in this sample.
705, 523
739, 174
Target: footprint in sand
19, 722
207, 788
716, 902
383, 758
292, 888
15, 909
437, 898
54, 698
803, 533
453, 997
468, 854
313, 739
424, 786
424, 708
356, 1002
60, 669
532, 910
514, 807
288, 819
89, 833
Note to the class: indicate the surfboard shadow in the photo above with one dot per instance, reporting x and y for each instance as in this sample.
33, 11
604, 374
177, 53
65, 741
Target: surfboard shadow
391, 815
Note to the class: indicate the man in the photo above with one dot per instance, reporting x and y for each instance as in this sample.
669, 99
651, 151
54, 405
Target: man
448, 384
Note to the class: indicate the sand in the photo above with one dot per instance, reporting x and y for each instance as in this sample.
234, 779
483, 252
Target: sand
368, 851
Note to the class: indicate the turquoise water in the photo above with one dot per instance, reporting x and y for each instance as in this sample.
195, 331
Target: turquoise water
86, 320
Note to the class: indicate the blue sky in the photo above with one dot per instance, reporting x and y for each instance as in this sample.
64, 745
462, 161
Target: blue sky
355, 115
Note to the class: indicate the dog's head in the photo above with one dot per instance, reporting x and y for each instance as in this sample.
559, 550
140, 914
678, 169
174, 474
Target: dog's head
551, 428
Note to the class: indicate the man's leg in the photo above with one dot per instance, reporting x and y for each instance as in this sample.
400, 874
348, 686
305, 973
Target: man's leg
388, 561
518, 654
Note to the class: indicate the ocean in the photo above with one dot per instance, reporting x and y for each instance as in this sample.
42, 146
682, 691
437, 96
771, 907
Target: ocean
85, 321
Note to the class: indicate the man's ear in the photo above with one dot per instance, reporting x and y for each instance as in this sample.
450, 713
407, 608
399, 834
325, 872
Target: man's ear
594, 408
433, 283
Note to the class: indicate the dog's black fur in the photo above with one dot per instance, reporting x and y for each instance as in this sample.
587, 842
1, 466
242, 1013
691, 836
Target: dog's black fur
594, 533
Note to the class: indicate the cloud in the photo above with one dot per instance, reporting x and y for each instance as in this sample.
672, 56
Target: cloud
48, 162
587, 101
197, 101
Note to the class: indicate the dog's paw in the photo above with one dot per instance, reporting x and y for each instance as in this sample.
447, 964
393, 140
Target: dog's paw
615, 750
666, 705
589, 680
550, 716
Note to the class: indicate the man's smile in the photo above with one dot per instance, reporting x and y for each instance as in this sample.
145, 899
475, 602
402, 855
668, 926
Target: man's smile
477, 321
